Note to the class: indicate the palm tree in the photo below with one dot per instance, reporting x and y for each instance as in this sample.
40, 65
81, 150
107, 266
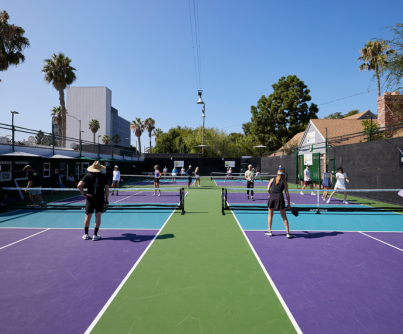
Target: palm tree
375, 55
157, 132
150, 126
58, 71
137, 126
116, 139
94, 127
12, 43
57, 114
106, 139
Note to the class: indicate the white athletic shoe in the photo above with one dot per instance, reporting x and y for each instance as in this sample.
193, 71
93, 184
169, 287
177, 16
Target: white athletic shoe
253, 198
290, 236
154, 194
345, 202
301, 192
247, 196
268, 233
328, 201
159, 195
199, 185
96, 237
86, 237
312, 193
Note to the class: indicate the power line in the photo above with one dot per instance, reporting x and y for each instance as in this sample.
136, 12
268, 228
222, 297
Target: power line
343, 98
195, 31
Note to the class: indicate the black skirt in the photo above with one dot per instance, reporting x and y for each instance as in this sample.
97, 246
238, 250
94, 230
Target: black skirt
277, 203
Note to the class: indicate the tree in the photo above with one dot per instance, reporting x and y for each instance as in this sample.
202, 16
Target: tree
374, 56
157, 132
372, 130
277, 118
116, 139
58, 71
246, 128
149, 124
57, 114
352, 112
393, 69
94, 127
106, 139
336, 115
137, 126
42, 139
12, 43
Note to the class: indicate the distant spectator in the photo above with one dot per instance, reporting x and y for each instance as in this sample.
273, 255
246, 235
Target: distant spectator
71, 181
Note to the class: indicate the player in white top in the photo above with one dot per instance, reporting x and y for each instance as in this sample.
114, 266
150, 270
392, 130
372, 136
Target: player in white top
183, 171
229, 174
115, 180
307, 180
165, 171
341, 177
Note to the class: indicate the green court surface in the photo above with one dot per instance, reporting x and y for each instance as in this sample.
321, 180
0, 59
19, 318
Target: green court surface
204, 280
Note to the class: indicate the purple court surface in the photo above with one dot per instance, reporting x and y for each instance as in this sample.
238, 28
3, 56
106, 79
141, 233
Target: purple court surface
337, 282
63, 280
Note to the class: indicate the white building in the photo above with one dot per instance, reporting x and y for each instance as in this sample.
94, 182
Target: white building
87, 103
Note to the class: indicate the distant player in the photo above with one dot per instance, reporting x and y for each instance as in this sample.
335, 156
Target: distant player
115, 180
157, 175
189, 173
258, 173
250, 179
174, 174
341, 177
307, 180
165, 171
33, 182
183, 173
229, 174
96, 197
326, 183
197, 176
276, 201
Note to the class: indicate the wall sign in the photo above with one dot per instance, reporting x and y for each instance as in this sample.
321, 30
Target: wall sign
308, 159
230, 164
179, 163
310, 139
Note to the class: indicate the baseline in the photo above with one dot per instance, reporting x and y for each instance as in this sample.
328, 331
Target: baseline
16, 242
370, 236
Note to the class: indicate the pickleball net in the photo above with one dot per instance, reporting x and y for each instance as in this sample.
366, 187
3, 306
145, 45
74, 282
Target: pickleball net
148, 180
71, 199
312, 200
240, 177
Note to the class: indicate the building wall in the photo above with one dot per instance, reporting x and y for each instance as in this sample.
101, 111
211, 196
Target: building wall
87, 103
121, 127
390, 109
318, 142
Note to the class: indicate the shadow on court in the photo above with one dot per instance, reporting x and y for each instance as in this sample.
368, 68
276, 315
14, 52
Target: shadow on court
132, 237
307, 235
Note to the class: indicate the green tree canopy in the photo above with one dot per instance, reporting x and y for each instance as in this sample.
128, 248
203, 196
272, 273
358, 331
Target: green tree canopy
336, 115
352, 112
283, 114
12, 43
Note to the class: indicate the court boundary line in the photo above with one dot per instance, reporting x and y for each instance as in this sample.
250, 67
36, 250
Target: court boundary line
16, 242
370, 236
125, 197
328, 231
111, 298
280, 298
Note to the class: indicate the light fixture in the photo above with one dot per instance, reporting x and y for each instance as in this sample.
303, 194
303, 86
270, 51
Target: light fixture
200, 99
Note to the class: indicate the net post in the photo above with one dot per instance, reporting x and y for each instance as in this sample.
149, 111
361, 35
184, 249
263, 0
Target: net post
222, 202
225, 198
182, 195
317, 201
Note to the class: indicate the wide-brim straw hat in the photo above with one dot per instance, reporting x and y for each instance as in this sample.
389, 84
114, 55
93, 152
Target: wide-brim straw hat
96, 167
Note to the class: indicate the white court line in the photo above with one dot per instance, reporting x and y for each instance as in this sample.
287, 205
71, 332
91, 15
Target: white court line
25, 238
127, 197
381, 241
287, 310
100, 314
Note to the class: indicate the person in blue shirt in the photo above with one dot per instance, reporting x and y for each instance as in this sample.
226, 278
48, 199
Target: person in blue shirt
174, 174
189, 173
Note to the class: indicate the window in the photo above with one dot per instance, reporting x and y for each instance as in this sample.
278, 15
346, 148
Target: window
78, 170
62, 169
5, 171
46, 169
84, 166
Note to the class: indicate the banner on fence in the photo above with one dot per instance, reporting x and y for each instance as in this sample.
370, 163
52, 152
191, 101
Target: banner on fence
179, 163
308, 159
230, 164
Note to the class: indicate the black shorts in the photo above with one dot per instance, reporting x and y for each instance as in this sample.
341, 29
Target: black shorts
156, 180
277, 203
249, 184
92, 204
189, 179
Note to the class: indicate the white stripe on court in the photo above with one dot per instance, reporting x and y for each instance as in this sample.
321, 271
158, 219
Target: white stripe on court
126, 197
286, 309
381, 241
25, 238
100, 314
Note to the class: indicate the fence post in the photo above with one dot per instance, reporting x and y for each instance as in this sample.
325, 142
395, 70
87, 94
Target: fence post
297, 166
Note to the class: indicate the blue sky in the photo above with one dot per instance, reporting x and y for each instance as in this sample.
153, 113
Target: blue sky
142, 51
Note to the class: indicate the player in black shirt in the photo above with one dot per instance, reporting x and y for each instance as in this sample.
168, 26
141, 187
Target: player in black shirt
33, 182
97, 196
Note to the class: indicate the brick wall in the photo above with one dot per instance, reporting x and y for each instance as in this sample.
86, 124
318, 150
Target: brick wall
390, 109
